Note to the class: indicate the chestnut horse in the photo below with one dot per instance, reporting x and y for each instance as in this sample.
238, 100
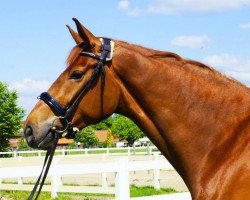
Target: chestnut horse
197, 117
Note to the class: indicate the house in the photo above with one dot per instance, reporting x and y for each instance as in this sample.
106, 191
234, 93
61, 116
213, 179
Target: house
63, 142
102, 137
14, 141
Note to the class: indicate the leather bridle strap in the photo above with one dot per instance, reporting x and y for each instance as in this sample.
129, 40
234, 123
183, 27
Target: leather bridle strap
68, 111
65, 114
57, 108
72, 106
46, 166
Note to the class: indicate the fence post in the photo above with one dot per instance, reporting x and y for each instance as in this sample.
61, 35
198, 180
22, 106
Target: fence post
63, 152
156, 173
107, 151
39, 153
15, 153
104, 174
128, 151
122, 179
148, 149
86, 151
20, 181
134, 148
55, 180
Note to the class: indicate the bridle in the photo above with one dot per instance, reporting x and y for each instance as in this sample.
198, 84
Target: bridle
66, 113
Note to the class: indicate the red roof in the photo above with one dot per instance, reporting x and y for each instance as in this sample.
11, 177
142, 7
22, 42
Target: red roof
64, 141
102, 136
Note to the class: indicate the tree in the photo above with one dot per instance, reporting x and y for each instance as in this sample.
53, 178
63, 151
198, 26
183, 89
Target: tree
104, 124
126, 129
22, 144
11, 116
87, 137
109, 138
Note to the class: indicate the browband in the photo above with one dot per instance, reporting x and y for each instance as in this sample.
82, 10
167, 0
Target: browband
106, 47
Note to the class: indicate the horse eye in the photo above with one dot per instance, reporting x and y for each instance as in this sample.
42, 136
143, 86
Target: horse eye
76, 75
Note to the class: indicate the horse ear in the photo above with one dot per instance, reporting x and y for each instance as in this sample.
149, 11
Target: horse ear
86, 35
75, 35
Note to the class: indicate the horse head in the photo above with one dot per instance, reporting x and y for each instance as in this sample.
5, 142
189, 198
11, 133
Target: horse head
84, 93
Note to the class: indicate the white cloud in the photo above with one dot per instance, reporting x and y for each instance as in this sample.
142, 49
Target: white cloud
188, 6
27, 103
243, 77
228, 62
28, 86
245, 25
28, 91
194, 6
236, 67
135, 11
191, 41
123, 5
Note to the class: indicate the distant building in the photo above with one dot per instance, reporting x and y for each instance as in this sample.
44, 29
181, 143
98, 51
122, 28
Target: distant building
102, 137
14, 141
63, 142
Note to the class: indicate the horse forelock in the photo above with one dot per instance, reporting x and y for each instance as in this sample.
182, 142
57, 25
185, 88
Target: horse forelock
73, 55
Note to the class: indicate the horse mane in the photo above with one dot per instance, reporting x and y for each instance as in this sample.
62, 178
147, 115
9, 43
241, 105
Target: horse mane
195, 65
160, 54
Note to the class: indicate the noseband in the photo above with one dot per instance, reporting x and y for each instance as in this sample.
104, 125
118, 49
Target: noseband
65, 114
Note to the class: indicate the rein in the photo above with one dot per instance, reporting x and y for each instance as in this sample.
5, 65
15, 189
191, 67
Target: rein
65, 114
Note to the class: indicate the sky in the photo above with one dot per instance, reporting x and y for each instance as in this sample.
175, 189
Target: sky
34, 41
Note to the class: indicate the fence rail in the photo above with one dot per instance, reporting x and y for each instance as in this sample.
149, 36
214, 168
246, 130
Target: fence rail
108, 151
121, 167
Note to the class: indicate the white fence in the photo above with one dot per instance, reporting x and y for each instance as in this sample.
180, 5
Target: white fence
108, 151
121, 167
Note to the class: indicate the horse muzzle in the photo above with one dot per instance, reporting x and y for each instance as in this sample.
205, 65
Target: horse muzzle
38, 138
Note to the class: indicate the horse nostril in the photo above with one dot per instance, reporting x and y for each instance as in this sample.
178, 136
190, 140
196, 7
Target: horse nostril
28, 131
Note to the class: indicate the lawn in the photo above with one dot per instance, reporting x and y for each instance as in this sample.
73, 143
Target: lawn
134, 192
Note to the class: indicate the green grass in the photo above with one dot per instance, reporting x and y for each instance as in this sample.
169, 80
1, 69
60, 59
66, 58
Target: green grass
23, 195
135, 191
81, 152
148, 191
25, 183
96, 151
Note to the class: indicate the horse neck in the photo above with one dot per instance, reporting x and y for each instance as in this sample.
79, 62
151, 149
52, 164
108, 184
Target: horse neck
182, 108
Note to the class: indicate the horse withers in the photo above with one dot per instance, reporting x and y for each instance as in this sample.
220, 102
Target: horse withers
197, 117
